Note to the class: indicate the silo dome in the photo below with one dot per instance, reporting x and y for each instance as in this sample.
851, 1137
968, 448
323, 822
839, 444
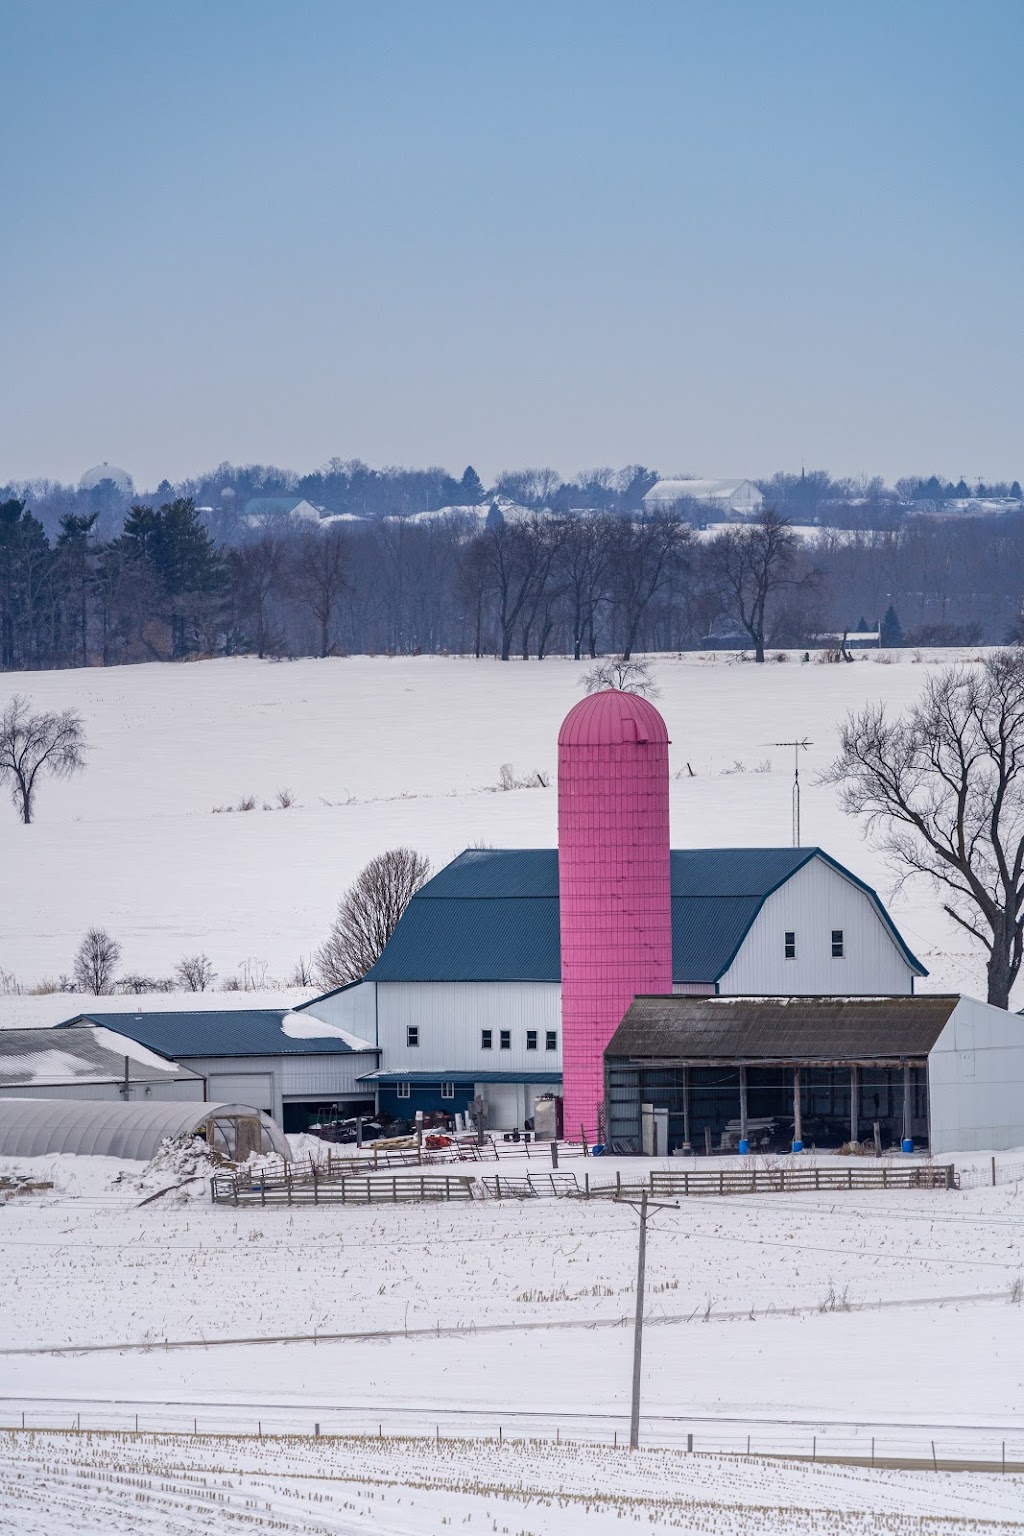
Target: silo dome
100, 472
610, 718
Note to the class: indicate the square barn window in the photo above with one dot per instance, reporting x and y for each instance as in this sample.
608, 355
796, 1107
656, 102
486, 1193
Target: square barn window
403, 1091
412, 1035
486, 1039
837, 943
531, 1039
447, 1090
790, 944
505, 1039
551, 1040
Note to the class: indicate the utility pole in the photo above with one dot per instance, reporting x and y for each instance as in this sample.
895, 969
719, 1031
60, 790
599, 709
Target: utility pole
638, 1327
644, 1207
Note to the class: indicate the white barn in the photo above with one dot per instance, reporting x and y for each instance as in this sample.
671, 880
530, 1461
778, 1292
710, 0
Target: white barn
465, 1001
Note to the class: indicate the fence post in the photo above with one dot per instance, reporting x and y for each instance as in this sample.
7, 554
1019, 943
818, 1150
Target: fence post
872, 1450
935, 1464
689, 1443
993, 1171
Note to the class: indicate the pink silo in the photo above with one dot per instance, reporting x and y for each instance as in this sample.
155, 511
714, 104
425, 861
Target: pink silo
613, 878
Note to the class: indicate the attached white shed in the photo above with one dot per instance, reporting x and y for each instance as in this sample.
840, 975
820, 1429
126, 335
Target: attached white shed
38, 1127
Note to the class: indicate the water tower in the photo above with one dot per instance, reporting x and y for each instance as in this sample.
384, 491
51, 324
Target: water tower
613, 877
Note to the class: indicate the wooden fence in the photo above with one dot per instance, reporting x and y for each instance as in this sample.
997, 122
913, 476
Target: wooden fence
302, 1184
756, 1181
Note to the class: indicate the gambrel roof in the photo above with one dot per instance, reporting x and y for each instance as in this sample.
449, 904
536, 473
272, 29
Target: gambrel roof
493, 914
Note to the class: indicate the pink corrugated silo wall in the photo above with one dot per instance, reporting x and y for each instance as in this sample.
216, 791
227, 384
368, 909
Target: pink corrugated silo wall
613, 877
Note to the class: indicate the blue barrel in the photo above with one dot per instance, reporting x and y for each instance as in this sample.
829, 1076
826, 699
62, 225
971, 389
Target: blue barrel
907, 1144
743, 1148
798, 1146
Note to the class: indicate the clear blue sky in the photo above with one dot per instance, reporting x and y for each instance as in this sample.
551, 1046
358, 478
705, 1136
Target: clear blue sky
722, 236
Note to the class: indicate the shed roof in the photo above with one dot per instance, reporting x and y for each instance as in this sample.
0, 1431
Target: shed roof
493, 914
98, 1128
42, 1058
223, 1032
790, 1028
460, 1078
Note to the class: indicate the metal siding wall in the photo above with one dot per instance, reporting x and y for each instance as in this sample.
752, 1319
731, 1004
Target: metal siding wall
331, 1077
813, 902
354, 1009
185, 1092
976, 1080
450, 1016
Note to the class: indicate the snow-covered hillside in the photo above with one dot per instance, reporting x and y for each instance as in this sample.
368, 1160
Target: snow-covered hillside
378, 752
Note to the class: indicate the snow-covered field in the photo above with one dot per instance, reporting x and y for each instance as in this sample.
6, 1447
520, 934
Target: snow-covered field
54, 1485
807, 1323
382, 751
799, 1324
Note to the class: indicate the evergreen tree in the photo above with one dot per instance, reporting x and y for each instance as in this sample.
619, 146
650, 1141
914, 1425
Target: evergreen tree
890, 631
182, 555
471, 488
77, 553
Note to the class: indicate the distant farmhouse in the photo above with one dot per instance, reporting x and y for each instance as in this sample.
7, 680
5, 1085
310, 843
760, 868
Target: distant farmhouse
738, 498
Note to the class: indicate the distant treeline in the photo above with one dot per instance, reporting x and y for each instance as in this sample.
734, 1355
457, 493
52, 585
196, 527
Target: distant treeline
534, 566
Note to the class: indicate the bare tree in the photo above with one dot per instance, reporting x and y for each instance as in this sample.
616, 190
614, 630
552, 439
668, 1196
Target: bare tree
256, 569
368, 914
943, 789
628, 675
318, 574
34, 745
194, 973
647, 553
749, 565
95, 961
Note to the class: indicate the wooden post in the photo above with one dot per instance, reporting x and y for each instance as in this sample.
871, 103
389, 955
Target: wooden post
554, 1154
993, 1173
743, 1104
707, 1140
638, 1327
907, 1123
854, 1105
798, 1123
877, 1131
686, 1108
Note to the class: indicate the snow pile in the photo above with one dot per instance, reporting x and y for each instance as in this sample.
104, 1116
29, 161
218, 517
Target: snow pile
183, 1164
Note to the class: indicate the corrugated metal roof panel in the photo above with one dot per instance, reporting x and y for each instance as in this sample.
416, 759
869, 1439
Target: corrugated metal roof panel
421, 1079
213, 1032
44, 1058
803, 1028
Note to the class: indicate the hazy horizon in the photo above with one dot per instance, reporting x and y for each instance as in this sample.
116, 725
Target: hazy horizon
720, 239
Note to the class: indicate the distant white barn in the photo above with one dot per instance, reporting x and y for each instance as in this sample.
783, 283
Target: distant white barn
740, 497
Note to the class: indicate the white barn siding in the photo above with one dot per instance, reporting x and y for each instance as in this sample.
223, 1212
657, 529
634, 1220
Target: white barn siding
810, 904
353, 1008
450, 1016
976, 1080
328, 1076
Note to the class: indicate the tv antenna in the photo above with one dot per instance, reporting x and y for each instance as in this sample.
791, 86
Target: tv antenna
798, 747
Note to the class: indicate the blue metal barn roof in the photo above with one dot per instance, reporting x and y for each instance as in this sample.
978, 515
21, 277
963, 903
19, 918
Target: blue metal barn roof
461, 1079
492, 914
215, 1032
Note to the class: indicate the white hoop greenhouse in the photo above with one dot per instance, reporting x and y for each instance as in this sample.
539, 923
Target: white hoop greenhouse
36, 1127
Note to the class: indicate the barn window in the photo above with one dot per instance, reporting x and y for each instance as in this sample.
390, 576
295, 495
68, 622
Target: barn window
403, 1091
551, 1040
837, 943
790, 944
505, 1039
447, 1090
531, 1039
412, 1035
486, 1039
